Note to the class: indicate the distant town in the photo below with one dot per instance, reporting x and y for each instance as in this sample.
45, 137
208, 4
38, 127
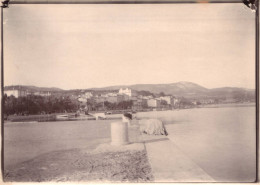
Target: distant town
24, 100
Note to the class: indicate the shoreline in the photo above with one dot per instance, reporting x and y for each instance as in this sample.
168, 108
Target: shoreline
51, 118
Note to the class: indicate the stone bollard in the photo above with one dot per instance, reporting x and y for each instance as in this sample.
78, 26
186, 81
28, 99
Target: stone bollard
119, 133
126, 120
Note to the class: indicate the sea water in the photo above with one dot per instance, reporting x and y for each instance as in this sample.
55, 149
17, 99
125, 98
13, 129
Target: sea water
221, 140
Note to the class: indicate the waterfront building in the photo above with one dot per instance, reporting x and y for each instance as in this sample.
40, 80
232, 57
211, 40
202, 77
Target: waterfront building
20, 91
40, 93
153, 103
15, 92
139, 104
175, 101
127, 91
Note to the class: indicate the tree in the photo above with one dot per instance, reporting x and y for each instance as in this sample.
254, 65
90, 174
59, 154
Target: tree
32, 104
162, 94
185, 102
163, 102
145, 93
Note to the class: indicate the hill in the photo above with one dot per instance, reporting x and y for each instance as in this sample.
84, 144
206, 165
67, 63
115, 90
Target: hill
232, 93
32, 88
188, 90
179, 89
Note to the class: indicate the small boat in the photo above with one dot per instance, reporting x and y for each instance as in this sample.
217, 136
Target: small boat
62, 117
98, 115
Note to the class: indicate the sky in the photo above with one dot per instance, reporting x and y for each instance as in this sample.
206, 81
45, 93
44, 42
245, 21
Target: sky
99, 45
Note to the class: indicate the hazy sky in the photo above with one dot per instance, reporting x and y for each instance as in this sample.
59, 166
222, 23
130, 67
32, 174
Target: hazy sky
84, 46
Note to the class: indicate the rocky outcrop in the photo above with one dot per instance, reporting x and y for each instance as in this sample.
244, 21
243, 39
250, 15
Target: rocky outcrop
152, 127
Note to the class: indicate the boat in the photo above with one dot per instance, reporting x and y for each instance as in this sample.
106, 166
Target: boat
62, 117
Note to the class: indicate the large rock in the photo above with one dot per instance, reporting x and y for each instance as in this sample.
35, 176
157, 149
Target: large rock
152, 127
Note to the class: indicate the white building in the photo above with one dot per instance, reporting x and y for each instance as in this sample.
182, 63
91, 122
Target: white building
11, 92
15, 92
88, 95
82, 99
109, 95
147, 97
43, 93
175, 101
21, 92
153, 103
127, 91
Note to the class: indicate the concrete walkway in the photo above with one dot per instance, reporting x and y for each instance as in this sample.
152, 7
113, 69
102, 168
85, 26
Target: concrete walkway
169, 164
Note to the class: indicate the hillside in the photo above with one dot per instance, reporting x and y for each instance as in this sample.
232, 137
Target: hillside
232, 92
32, 88
188, 90
179, 89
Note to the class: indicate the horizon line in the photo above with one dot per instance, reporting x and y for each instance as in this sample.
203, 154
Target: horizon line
93, 88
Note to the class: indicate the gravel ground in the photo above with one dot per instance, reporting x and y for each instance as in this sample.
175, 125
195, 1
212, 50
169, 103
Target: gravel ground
72, 151
81, 165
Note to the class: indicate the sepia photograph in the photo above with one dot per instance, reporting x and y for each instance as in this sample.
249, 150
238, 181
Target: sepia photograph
129, 91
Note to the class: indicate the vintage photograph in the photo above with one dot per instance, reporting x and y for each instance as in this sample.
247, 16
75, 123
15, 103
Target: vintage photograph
129, 92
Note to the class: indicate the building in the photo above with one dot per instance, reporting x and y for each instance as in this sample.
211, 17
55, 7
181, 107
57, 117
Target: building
168, 99
120, 98
128, 92
112, 99
175, 101
140, 104
20, 91
133, 98
153, 103
194, 102
111, 94
210, 101
124, 97
41, 93
82, 100
88, 95
15, 92
147, 97
100, 99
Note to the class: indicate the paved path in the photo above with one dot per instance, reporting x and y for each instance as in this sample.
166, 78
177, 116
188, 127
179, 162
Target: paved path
170, 164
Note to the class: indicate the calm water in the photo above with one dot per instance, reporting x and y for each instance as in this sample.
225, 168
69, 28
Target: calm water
24, 141
222, 141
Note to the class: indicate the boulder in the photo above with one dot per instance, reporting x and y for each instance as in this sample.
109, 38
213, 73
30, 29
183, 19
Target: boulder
152, 127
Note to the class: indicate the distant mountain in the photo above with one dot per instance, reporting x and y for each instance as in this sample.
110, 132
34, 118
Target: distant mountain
32, 88
186, 89
231, 92
179, 89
